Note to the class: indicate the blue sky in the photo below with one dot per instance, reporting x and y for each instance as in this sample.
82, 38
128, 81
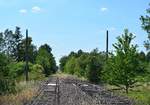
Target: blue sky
69, 25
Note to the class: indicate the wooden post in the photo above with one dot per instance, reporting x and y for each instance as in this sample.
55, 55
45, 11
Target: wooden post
26, 57
106, 44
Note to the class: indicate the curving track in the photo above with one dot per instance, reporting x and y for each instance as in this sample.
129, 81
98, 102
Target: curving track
71, 91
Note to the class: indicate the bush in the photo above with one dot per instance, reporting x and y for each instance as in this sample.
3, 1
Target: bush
36, 72
70, 65
94, 69
17, 71
7, 84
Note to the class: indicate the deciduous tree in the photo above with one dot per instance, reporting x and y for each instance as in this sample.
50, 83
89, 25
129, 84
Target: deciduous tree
46, 59
123, 68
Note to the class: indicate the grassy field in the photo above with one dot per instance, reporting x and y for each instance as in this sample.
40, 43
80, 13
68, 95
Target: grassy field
25, 91
140, 93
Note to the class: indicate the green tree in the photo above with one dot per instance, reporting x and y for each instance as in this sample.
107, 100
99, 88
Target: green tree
63, 62
94, 69
17, 36
148, 56
81, 65
32, 50
145, 20
11, 42
45, 58
1, 42
142, 56
70, 65
123, 67
79, 53
73, 54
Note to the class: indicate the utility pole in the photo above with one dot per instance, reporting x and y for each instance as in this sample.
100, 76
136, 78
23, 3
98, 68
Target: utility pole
106, 44
26, 57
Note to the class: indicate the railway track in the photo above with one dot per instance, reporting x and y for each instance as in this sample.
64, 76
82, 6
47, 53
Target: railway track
69, 91
48, 93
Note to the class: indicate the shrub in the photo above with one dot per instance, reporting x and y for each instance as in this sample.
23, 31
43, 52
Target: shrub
7, 84
94, 69
17, 71
36, 72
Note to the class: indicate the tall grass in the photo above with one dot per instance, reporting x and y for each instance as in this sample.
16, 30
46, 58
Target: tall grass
24, 93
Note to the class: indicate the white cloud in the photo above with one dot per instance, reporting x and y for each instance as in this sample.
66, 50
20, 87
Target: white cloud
103, 9
36, 9
23, 11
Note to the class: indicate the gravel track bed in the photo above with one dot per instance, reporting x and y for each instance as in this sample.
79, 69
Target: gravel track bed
70, 91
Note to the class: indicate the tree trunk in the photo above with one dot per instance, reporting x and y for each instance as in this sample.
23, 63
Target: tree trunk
127, 89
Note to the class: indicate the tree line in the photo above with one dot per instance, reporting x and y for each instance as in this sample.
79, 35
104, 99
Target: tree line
12, 60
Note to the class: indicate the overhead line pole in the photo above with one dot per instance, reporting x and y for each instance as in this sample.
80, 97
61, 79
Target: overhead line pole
107, 44
26, 57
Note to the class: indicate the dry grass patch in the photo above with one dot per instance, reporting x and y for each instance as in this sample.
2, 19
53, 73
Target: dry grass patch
25, 92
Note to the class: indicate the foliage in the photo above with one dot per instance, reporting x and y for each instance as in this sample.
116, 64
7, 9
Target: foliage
12, 58
36, 72
147, 73
32, 51
83, 64
145, 20
7, 85
17, 71
63, 62
142, 56
46, 59
70, 66
94, 69
12, 42
17, 36
148, 57
1, 42
123, 67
